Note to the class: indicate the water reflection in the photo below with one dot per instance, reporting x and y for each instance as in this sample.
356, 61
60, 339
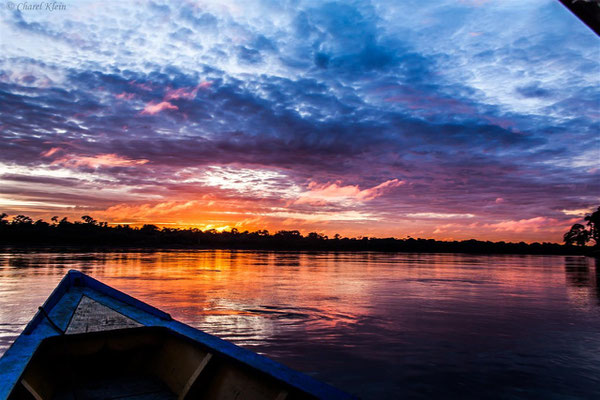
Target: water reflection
416, 325
583, 274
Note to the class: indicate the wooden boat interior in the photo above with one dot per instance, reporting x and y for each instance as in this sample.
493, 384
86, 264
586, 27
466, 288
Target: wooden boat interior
141, 363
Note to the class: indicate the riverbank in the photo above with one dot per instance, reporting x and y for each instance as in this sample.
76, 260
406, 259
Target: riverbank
373, 245
22, 232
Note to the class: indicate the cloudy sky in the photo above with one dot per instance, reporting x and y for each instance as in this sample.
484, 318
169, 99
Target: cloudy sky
450, 119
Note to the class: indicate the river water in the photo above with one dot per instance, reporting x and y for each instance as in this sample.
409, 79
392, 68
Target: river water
377, 325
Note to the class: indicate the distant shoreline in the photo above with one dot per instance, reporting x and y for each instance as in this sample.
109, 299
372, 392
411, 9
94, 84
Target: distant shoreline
24, 233
54, 248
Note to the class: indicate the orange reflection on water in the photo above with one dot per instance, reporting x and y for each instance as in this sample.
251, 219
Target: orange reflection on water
345, 317
247, 296
242, 296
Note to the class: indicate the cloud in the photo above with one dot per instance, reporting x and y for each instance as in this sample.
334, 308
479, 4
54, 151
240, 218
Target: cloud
6, 202
433, 215
533, 90
171, 209
253, 102
186, 93
154, 107
335, 193
580, 212
50, 152
534, 224
320, 216
125, 96
100, 160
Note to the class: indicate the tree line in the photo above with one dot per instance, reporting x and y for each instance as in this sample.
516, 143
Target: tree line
22, 230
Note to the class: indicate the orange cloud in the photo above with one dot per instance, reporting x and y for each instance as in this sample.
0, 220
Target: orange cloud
154, 108
100, 160
149, 211
334, 193
202, 214
50, 152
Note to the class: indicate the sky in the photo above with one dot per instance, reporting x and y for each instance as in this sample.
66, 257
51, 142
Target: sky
449, 119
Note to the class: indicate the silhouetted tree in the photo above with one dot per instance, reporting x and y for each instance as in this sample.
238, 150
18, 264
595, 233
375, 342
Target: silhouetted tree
580, 235
21, 220
593, 221
577, 234
149, 228
41, 223
289, 234
3, 218
89, 220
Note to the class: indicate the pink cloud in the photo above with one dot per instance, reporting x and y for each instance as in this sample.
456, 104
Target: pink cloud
535, 224
444, 228
125, 96
154, 108
100, 160
186, 93
334, 192
376, 191
51, 152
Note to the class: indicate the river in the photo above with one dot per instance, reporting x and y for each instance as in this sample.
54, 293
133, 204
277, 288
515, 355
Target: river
375, 324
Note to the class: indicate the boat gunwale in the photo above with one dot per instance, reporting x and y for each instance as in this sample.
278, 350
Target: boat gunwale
149, 316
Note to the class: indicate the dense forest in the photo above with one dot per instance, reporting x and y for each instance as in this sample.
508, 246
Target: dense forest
22, 231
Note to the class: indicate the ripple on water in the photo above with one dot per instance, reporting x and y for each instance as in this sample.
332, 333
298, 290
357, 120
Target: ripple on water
415, 325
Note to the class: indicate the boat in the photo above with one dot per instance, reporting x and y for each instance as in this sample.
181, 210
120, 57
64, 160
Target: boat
91, 341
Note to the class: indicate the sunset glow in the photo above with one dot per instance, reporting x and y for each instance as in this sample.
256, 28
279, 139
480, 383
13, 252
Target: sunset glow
452, 120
